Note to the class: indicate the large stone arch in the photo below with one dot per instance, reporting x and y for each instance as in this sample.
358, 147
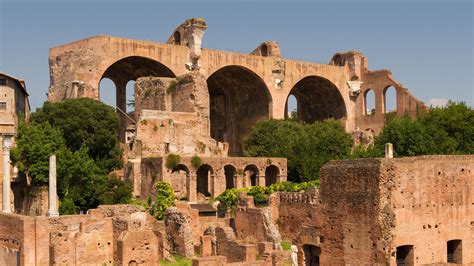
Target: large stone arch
317, 99
238, 99
126, 69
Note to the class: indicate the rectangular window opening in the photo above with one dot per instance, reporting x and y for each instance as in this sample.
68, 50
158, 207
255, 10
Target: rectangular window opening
454, 251
3, 106
405, 255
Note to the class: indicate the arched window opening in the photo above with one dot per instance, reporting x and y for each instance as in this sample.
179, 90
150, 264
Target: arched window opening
178, 178
390, 99
291, 108
108, 92
204, 180
318, 99
229, 172
130, 97
234, 107
251, 173
369, 102
177, 38
311, 255
264, 50
271, 175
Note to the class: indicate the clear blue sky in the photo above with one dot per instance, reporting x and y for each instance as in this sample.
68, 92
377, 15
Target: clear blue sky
427, 44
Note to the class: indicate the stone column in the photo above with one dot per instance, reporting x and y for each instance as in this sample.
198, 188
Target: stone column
388, 150
7, 142
53, 196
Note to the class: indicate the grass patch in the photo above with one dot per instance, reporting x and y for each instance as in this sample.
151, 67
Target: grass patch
286, 245
178, 261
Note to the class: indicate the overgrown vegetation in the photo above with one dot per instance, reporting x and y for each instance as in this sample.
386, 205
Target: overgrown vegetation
61, 129
165, 198
306, 146
172, 87
447, 130
286, 245
196, 161
228, 198
178, 261
172, 161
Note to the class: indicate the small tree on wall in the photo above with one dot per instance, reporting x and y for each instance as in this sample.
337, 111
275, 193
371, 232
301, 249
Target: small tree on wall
165, 198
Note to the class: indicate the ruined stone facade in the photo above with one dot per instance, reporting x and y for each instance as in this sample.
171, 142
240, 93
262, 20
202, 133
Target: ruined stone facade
243, 88
14, 105
410, 211
416, 211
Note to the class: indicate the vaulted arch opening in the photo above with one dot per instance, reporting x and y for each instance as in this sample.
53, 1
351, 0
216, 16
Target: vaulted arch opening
238, 98
178, 178
369, 102
120, 74
229, 172
204, 180
271, 175
317, 99
390, 99
251, 174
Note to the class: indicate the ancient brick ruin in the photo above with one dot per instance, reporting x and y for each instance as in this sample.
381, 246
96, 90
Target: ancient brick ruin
195, 102
414, 211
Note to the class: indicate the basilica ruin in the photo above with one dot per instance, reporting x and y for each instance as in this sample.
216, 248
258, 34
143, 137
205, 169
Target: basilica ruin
193, 102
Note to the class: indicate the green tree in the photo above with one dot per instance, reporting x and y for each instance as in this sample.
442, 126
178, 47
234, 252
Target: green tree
306, 146
86, 122
445, 130
34, 145
165, 198
82, 181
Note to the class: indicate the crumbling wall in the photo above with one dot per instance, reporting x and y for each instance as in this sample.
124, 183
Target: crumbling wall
296, 209
350, 199
432, 201
81, 239
179, 233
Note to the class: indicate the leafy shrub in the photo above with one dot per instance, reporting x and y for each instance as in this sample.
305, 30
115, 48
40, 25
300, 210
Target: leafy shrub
228, 198
172, 161
196, 161
286, 245
66, 206
165, 198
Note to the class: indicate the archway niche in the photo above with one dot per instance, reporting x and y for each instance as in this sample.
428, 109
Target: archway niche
177, 38
251, 173
369, 102
229, 172
179, 176
390, 99
271, 175
317, 99
120, 73
238, 99
311, 255
204, 180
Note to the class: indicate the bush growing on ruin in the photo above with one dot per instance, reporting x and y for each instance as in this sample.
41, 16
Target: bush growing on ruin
86, 122
165, 198
306, 146
196, 161
228, 198
172, 161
